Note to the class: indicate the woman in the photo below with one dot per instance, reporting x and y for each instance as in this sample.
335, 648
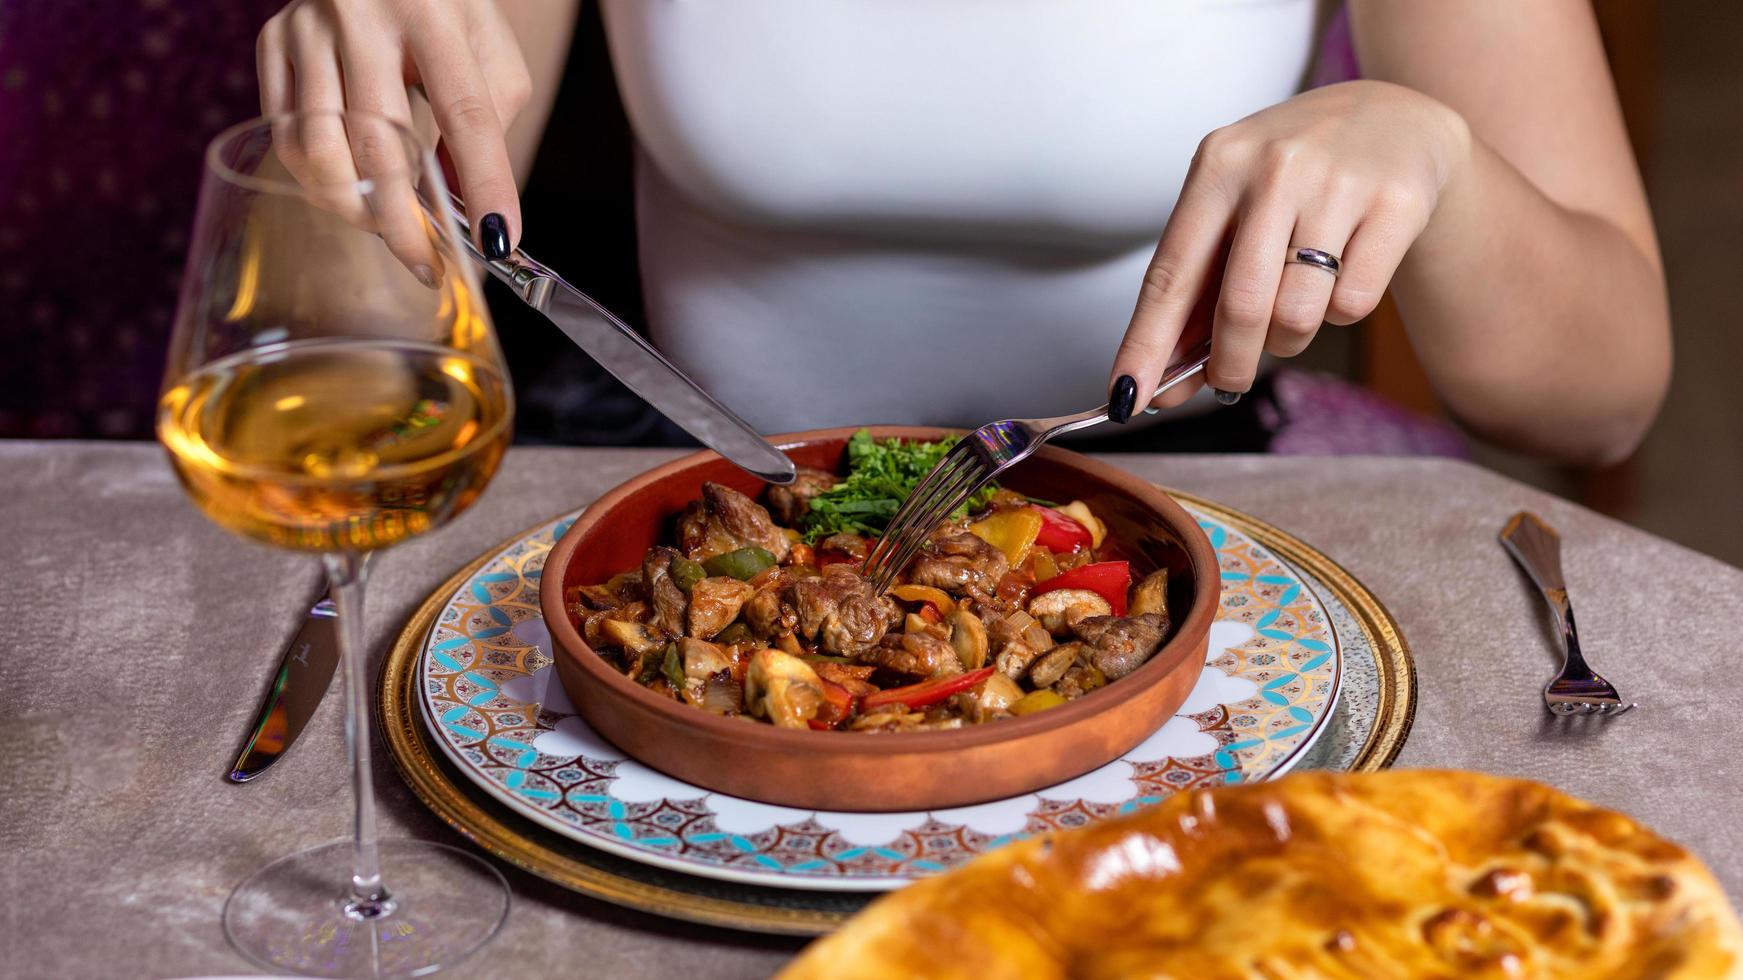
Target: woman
863, 210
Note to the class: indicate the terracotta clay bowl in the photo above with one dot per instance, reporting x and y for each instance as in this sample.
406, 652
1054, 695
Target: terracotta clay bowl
858, 771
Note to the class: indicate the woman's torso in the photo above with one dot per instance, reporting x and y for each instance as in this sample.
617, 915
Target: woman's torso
929, 211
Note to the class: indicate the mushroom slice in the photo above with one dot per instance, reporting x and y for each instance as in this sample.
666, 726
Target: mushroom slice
701, 658
637, 638
1150, 595
968, 636
782, 688
1053, 664
1062, 609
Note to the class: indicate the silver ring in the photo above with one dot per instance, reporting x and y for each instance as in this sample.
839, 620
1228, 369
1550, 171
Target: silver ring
1315, 258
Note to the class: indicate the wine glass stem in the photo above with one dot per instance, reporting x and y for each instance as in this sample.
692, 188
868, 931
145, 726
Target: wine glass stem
346, 574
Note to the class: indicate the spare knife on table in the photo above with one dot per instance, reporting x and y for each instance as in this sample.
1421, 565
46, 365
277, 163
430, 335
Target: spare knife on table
301, 681
633, 361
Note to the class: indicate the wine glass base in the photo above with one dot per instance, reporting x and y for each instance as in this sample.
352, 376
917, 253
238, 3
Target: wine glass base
297, 914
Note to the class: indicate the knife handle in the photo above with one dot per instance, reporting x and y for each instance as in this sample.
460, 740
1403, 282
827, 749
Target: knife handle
530, 279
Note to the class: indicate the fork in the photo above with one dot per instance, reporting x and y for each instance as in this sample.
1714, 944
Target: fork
1576, 688
980, 457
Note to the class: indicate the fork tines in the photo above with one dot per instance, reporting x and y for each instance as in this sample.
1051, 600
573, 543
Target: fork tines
956, 477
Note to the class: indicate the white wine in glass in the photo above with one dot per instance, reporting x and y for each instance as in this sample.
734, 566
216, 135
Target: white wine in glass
334, 386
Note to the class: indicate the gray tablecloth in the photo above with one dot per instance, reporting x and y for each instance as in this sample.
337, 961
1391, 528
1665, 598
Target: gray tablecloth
139, 637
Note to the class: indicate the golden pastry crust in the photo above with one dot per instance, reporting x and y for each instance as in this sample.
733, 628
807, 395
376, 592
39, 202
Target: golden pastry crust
1391, 874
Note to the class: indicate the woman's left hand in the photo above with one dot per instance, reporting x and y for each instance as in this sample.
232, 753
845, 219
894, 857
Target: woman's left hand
1354, 170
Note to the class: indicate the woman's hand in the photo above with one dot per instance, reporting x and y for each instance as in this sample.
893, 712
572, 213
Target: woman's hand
364, 55
1354, 170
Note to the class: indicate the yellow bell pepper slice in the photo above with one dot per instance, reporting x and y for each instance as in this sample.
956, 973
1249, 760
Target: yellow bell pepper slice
1035, 701
926, 593
1011, 530
1079, 511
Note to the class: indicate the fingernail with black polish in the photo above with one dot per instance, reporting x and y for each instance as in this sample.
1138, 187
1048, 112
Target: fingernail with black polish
493, 236
1227, 397
1123, 399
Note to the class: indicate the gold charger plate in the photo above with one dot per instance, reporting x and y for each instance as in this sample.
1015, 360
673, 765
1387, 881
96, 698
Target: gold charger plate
521, 843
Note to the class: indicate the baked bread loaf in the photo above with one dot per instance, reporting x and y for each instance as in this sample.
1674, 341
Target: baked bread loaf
1390, 874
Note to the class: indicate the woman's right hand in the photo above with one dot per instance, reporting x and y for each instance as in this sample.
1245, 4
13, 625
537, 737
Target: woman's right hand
364, 55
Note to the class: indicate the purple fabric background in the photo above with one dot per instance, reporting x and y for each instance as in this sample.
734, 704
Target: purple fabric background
105, 107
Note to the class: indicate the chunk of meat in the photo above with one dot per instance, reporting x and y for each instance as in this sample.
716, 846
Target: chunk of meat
1079, 680
839, 610
851, 545
622, 588
593, 624
669, 601
767, 615
1016, 639
856, 678
958, 561
1014, 659
1120, 644
725, 520
714, 604
793, 501
918, 655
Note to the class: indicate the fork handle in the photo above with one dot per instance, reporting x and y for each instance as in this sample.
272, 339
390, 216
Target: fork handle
1537, 549
1189, 365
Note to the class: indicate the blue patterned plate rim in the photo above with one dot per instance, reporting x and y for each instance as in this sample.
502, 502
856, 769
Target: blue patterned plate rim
626, 841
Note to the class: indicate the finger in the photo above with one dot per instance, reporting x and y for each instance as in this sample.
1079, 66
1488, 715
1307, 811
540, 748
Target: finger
1249, 293
272, 69
1195, 332
499, 59
318, 153
380, 149
1173, 285
1304, 290
472, 132
1371, 259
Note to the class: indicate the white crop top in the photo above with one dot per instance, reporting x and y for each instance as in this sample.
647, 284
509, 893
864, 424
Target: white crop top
921, 211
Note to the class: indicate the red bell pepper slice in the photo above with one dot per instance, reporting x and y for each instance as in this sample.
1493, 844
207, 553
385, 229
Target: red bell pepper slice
832, 557
837, 706
1061, 534
1109, 579
926, 692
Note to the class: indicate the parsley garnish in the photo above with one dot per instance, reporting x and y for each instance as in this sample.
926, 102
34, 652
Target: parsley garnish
880, 475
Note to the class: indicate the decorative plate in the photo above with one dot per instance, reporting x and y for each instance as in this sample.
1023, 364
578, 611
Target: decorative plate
497, 711
1366, 731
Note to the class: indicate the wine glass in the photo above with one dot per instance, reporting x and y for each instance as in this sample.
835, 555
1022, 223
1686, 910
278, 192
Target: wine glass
334, 386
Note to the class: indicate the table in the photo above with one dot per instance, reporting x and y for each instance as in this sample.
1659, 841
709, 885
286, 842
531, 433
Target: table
136, 622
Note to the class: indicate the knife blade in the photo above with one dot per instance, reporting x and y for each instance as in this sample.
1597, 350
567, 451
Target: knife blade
633, 361
302, 679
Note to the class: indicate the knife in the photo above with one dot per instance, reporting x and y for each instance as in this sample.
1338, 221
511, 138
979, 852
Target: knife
302, 680
633, 361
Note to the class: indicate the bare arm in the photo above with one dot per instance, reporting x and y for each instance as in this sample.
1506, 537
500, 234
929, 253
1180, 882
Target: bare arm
1535, 296
1482, 172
